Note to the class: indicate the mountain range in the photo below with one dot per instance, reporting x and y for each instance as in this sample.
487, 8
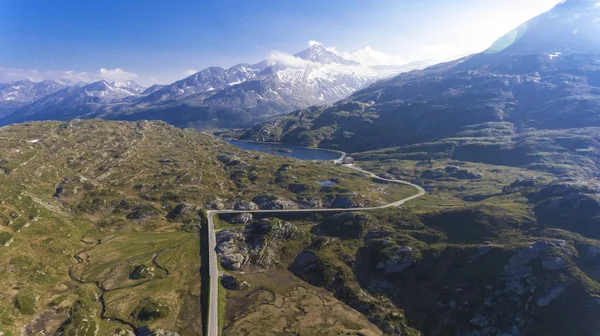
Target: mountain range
215, 96
20, 93
543, 75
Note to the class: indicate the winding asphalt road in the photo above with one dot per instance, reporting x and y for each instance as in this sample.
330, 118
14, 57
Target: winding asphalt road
213, 311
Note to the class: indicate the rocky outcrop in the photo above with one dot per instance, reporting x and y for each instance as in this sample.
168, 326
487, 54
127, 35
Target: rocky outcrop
142, 212
121, 332
183, 212
231, 249
272, 202
568, 206
592, 254
345, 225
255, 246
58, 193
284, 230
243, 218
450, 172
402, 258
161, 332
519, 268
233, 283
144, 331
285, 167
232, 161
345, 202
298, 188
310, 203
226, 158
306, 266
243, 206
141, 272
523, 282
215, 204
519, 184
551, 295
561, 189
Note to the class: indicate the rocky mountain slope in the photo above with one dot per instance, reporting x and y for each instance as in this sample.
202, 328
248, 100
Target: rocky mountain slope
78, 101
215, 96
544, 75
20, 93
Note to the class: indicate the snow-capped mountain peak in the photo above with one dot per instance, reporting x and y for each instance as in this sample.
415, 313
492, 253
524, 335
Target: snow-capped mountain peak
20, 93
112, 90
275, 86
319, 54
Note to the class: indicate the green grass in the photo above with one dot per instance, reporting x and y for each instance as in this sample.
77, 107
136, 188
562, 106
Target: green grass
25, 304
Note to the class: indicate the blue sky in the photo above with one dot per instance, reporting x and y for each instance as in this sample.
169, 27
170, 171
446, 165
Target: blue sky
161, 41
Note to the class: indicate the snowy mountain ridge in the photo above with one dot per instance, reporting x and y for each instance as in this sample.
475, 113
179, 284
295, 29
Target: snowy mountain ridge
252, 92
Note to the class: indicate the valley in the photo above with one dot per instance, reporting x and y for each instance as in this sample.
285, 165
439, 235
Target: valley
324, 192
99, 233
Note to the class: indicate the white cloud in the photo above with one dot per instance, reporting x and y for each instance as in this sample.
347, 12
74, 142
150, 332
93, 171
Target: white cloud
289, 60
369, 56
116, 74
14, 74
190, 72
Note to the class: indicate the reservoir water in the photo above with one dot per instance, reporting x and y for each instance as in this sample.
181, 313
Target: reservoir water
288, 151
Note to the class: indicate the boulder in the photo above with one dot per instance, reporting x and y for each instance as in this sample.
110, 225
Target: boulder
464, 174
284, 230
237, 163
310, 203
58, 193
233, 283
303, 264
403, 258
141, 272
242, 206
285, 167
161, 332
215, 204
117, 332
225, 158
243, 218
298, 188
142, 212
345, 202
272, 202
231, 249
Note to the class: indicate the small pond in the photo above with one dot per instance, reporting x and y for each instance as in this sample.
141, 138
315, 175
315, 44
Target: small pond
288, 151
327, 183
